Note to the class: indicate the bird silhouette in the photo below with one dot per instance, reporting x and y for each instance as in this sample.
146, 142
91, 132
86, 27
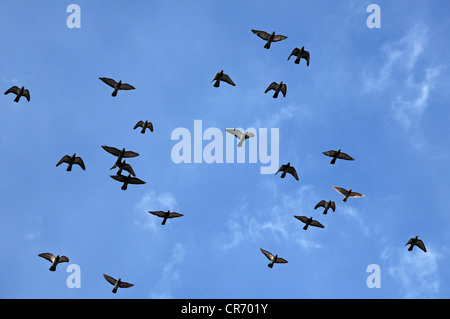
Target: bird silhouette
287, 168
269, 37
300, 54
326, 205
127, 180
416, 242
165, 215
220, 76
338, 154
273, 259
119, 153
71, 160
117, 283
240, 136
309, 222
19, 92
277, 87
123, 166
117, 85
54, 260
347, 193
144, 126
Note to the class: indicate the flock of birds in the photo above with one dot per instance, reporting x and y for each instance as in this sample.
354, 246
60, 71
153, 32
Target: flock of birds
131, 178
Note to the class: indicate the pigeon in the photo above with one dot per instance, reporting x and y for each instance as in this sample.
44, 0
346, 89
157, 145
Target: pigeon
71, 160
273, 259
165, 215
54, 260
240, 136
326, 205
19, 92
309, 222
269, 37
277, 87
300, 53
347, 193
126, 180
416, 242
119, 153
117, 283
338, 154
144, 126
287, 168
117, 85
222, 77
123, 166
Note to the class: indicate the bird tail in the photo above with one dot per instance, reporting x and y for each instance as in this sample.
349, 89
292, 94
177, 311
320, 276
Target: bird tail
333, 160
114, 290
411, 248
124, 187
217, 84
17, 98
52, 268
270, 265
114, 93
325, 211
69, 167
267, 45
305, 227
275, 95
283, 175
241, 142
297, 61
143, 130
345, 199
164, 221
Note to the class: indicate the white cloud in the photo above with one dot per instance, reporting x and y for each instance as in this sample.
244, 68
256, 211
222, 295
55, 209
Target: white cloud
153, 201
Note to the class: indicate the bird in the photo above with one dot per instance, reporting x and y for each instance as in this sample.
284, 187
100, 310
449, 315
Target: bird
240, 136
117, 85
273, 259
416, 242
326, 205
123, 166
347, 193
165, 215
277, 87
220, 76
117, 283
119, 153
19, 92
54, 260
300, 54
309, 222
338, 154
127, 180
269, 37
144, 125
71, 160
287, 168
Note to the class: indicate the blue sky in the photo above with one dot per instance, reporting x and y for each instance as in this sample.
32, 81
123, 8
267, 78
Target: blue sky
380, 95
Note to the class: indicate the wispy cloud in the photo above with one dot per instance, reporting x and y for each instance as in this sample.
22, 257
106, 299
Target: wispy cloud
153, 201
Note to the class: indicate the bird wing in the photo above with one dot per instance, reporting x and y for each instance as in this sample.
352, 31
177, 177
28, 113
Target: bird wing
130, 154
410, 241
26, 93
150, 126
294, 52
345, 156
355, 194
63, 259
329, 153
279, 37
139, 124
135, 180
281, 260
226, 78
174, 214
341, 190
262, 34
119, 178
48, 256
333, 206
421, 245
284, 89
215, 77
236, 133
128, 168
317, 224
272, 86
112, 150
282, 167
267, 254
322, 203
302, 218
78, 160
249, 135
158, 213
305, 55
110, 279
293, 172
124, 284
13, 89
126, 86
64, 159
109, 81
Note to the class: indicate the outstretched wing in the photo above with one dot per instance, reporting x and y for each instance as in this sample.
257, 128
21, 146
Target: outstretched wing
329, 153
280, 260
249, 135
158, 213
272, 86
345, 156
119, 178
355, 194
279, 37
139, 124
262, 34
128, 168
150, 126
48, 256
302, 218
333, 206
305, 55
236, 133
294, 52
128, 154
410, 241
126, 86
13, 89
64, 159
78, 160
174, 214
317, 224
112, 150
63, 259
124, 284
227, 79
267, 254
110, 279
109, 81
284, 89
421, 245
135, 180
26, 93
293, 172
282, 168
341, 190
322, 203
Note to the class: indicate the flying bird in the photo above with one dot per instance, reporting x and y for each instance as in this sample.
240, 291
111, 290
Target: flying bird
127, 180
71, 160
326, 205
144, 126
119, 153
416, 242
54, 260
273, 259
338, 154
287, 168
222, 77
269, 37
165, 215
19, 92
347, 193
309, 222
300, 54
117, 283
277, 87
240, 136
117, 85
123, 166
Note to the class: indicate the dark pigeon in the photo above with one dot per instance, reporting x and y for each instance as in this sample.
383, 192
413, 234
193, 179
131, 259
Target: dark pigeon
269, 37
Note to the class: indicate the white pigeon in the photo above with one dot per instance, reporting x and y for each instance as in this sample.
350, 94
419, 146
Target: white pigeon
240, 136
